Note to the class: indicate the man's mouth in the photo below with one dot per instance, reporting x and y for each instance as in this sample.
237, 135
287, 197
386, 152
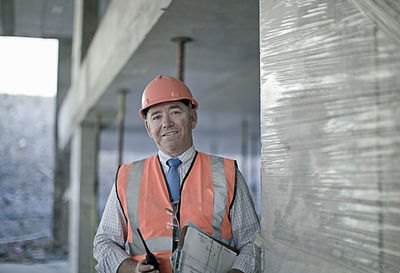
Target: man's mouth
170, 133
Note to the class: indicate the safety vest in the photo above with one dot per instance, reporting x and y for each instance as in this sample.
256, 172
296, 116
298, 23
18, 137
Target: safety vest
206, 196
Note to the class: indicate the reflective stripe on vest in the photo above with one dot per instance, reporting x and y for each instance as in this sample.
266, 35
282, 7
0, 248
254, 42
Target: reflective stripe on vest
206, 196
220, 196
136, 245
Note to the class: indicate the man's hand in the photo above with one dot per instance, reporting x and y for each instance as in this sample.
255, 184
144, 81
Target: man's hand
131, 266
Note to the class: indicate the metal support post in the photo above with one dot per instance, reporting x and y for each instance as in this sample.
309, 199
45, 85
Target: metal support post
181, 54
121, 123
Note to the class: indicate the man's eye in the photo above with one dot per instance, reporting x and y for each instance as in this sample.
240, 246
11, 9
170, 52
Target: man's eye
175, 112
156, 117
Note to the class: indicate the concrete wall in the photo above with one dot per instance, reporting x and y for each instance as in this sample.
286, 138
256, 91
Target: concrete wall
25, 182
330, 129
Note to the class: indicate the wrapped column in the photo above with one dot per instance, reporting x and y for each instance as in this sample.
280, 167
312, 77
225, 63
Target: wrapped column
330, 132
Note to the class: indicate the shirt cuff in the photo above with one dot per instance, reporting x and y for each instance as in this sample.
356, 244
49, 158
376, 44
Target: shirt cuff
249, 261
112, 260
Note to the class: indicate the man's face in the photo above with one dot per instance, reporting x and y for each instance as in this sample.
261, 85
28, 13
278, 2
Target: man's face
170, 125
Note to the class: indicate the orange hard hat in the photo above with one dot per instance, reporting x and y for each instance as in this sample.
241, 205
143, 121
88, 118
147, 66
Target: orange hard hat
163, 89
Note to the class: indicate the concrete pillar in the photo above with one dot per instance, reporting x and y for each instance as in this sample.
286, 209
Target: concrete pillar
330, 131
7, 8
85, 26
83, 214
103, 6
89, 24
83, 206
62, 156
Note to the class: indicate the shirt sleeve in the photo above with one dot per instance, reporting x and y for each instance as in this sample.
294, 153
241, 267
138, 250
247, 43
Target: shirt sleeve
245, 226
109, 242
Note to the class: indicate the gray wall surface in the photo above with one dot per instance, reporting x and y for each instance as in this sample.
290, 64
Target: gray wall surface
330, 132
26, 168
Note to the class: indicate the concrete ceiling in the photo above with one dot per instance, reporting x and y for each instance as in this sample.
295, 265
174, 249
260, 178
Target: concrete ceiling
39, 18
221, 66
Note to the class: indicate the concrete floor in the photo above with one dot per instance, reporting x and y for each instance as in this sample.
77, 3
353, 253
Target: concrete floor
53, 266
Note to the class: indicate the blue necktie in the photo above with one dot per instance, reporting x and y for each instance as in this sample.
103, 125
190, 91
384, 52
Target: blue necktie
173, 178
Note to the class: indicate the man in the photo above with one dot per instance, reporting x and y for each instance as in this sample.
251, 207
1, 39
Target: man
176, 186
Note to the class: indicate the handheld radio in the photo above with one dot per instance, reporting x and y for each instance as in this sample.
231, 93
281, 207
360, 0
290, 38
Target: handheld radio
150, 258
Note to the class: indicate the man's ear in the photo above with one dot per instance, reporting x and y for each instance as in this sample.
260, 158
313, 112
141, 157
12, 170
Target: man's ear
147, 128
193, 118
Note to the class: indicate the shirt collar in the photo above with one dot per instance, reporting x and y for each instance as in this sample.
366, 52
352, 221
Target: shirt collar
186, 157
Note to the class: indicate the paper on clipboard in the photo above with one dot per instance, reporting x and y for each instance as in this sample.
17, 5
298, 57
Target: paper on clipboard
198, 252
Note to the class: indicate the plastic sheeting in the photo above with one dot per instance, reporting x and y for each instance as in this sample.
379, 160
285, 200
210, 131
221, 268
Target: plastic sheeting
385, 13
330, 132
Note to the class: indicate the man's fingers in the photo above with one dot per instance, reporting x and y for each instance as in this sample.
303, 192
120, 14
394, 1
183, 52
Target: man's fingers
143, 267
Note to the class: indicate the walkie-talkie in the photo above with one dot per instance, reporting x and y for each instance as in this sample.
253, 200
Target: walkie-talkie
150, 258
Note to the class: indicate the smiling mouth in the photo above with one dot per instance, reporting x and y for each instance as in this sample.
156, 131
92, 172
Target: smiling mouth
170, 133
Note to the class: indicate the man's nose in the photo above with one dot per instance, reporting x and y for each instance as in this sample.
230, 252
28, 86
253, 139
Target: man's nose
167, 121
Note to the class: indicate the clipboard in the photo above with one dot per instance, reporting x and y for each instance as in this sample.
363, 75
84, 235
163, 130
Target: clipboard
199, 252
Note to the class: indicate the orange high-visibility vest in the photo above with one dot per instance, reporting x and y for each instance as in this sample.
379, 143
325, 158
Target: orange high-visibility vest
206, 197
